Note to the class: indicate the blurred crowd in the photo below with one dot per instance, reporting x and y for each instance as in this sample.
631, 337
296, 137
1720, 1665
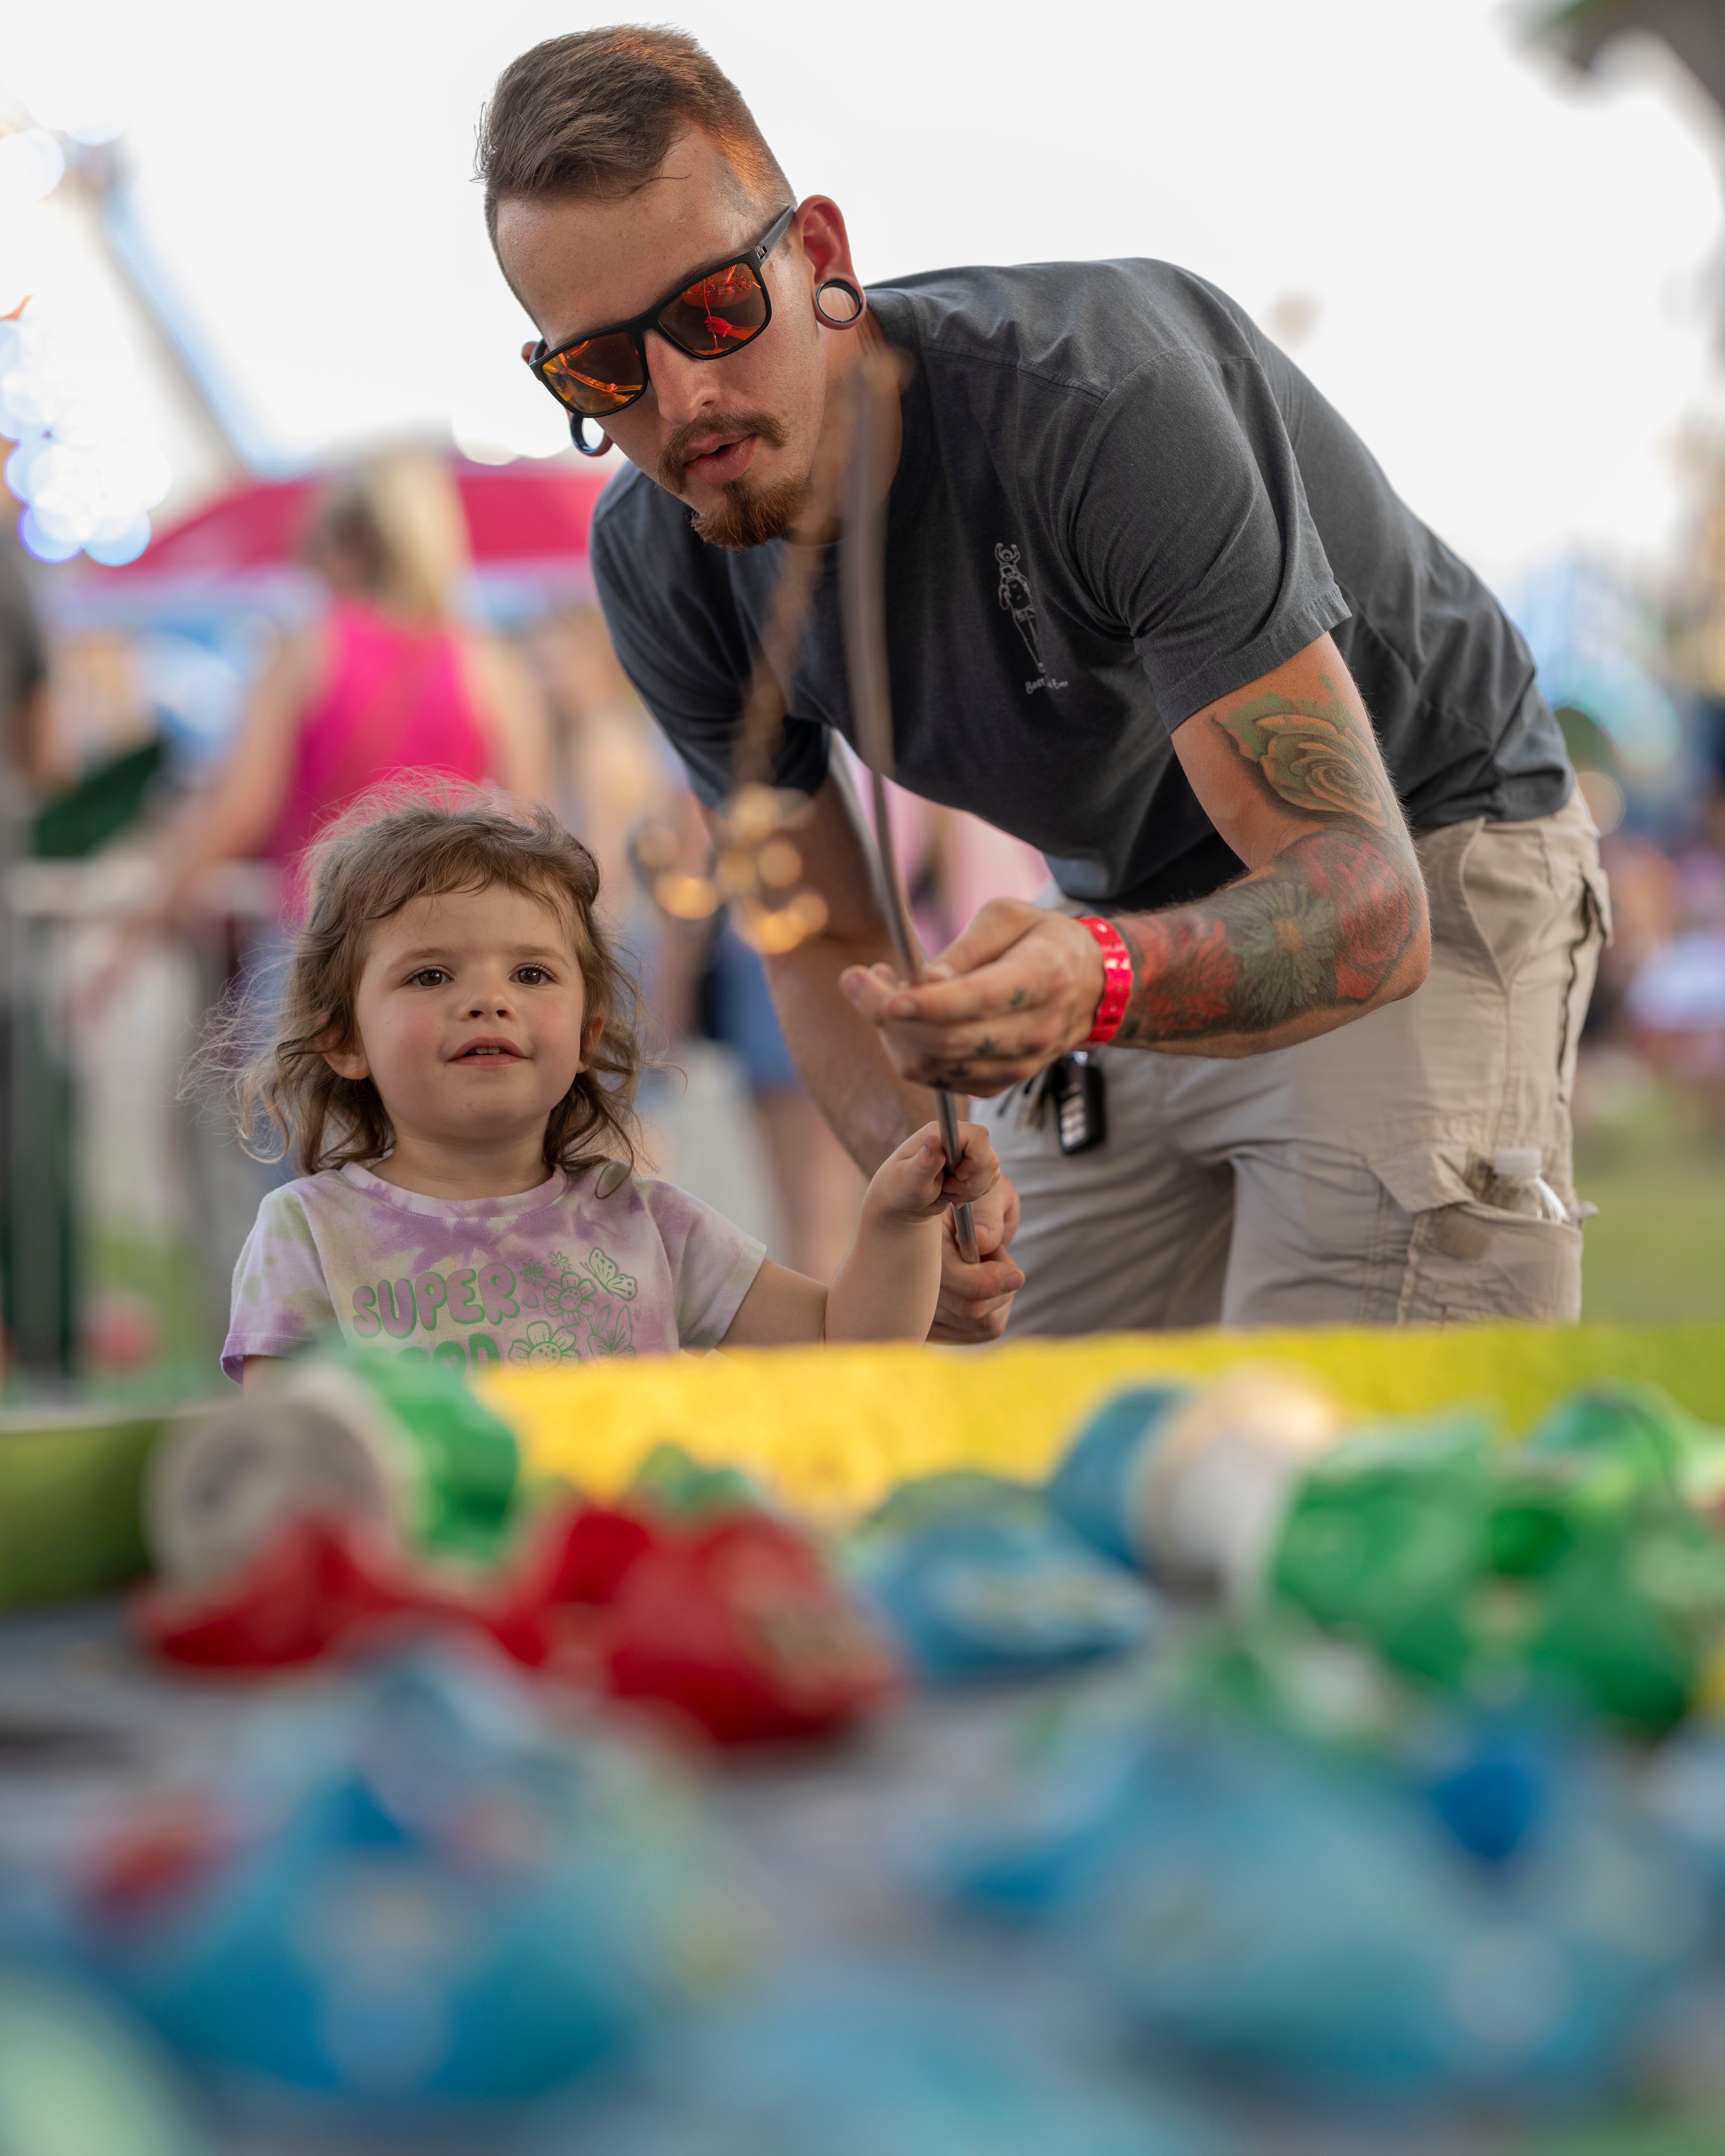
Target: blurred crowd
1660, 994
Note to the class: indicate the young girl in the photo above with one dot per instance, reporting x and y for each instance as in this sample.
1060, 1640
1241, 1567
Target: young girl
453, 1065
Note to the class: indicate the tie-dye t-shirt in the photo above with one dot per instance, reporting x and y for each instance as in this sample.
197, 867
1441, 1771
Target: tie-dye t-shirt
584, 1269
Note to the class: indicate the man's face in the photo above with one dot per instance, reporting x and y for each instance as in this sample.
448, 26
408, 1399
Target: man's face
735, 438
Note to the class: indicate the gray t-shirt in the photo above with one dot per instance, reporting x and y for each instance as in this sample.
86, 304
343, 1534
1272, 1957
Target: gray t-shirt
1117, 501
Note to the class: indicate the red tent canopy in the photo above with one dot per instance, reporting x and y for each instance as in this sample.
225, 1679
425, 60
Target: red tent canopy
529, 516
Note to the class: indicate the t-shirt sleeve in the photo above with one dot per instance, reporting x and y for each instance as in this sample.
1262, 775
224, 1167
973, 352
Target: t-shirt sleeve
713, 1264
1190, 524
678, 636
281, 1300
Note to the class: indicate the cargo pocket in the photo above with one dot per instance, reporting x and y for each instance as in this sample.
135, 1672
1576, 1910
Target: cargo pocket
1469, 1263
1464, 1262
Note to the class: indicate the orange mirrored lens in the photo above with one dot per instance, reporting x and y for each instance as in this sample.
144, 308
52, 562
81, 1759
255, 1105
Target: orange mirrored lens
717, 314
599, 376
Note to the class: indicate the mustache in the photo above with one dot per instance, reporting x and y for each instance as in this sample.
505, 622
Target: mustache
727, 425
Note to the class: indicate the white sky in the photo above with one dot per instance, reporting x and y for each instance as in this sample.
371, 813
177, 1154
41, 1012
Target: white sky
1516, 275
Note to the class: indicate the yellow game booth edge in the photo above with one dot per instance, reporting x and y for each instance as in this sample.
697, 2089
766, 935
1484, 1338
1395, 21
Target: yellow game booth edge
834, 1429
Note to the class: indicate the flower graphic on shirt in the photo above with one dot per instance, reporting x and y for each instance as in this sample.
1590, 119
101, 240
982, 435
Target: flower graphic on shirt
528, 1277
569, 1295
610, 1333
544, 1347
558, 1262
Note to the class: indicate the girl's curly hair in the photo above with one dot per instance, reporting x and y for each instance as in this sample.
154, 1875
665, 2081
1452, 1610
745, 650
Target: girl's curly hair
389, 847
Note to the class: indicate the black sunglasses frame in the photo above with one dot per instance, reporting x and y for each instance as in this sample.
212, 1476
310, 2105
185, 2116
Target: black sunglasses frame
751, 260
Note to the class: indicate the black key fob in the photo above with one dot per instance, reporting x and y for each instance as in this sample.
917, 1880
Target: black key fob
1074, 1084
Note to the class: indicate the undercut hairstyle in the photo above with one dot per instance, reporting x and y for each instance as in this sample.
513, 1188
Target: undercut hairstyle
394, 846
594, 112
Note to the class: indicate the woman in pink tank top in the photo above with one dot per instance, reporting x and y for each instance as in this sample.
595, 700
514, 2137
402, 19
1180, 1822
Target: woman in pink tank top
386, 686
393, 699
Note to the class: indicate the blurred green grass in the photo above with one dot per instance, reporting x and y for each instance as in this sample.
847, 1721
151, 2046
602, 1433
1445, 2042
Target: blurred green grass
1655, 1253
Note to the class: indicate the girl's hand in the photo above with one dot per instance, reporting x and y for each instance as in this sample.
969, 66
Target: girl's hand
913, 1184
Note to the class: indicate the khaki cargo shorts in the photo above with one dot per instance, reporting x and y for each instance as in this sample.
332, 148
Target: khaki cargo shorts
1349, 1180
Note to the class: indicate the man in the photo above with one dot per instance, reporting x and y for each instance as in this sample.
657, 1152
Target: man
1142, 586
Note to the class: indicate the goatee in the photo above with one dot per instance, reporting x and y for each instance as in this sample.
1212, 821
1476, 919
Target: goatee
747, 515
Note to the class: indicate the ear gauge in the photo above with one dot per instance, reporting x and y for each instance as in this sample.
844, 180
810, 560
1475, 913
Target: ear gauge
851, 303
577, 435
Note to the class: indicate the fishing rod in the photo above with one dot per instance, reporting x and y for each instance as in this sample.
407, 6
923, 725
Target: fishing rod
862, 579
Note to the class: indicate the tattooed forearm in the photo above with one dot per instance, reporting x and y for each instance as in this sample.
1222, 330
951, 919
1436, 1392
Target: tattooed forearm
1326, 926
1330, 922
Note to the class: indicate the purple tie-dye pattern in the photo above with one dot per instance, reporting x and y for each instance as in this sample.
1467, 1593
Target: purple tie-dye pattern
584, 1269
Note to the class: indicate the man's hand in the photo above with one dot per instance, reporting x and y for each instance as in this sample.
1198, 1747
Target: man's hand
1020, 987
1329, 923
975, 1299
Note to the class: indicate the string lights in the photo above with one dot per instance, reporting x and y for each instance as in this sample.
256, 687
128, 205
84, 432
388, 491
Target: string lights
755, 868
84, 465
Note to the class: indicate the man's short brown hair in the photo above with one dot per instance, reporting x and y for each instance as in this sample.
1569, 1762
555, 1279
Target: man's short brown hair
596, 111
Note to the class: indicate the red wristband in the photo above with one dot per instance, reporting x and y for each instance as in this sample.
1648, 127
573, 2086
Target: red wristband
1116, 980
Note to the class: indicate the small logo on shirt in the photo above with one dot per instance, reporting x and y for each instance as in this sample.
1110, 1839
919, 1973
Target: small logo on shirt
1014, 596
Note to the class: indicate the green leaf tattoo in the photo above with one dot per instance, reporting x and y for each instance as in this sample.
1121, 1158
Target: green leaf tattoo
1316, 757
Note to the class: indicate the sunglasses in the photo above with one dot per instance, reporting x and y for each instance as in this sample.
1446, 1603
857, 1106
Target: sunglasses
709, 317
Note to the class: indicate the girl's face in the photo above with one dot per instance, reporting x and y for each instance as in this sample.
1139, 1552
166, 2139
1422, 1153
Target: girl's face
471, 1018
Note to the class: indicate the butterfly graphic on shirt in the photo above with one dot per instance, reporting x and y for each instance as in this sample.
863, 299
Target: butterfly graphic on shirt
611, 1278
